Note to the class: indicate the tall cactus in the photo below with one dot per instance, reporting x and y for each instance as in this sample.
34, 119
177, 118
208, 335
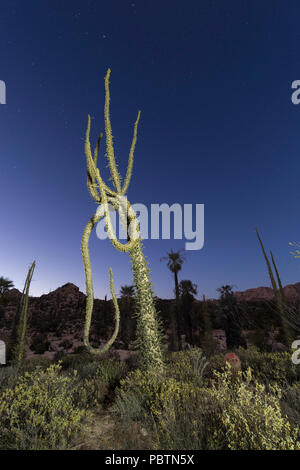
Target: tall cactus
149, 330
279, 294
17, 343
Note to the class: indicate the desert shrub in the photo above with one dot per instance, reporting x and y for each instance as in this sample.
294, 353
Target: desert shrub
216, 363
111, 371
40, 344
39, 412
178, 413
290, 404
130, 405
90, 392
266, 367
187, 366
87, 370
74, 361
234, 412
96, 377
36, 361
187, 421
270, 367
251, 417
8, 377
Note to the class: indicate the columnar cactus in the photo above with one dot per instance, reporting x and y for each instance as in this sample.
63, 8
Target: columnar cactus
278, 293
149, 331
17, 342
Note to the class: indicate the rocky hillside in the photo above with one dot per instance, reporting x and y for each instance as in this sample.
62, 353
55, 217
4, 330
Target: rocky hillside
291, 291
56, 320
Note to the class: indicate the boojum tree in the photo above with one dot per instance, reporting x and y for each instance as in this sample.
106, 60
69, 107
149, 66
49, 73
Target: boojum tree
278, 294
149, 328
17, 341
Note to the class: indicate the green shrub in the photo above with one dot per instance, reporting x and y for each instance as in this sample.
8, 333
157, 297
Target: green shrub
179, 413
73, 361
187, 366
270, 367
111, 371
8, 377
187, 422
290, 404
96, 377
266, 367
251, 417
130, 406
39, 412
233, 412
90, 392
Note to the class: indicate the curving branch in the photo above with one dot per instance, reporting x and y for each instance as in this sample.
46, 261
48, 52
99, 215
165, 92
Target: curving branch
90, 291
130, 159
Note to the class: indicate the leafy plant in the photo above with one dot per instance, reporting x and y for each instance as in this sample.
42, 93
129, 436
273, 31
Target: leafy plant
39, 412
198, 361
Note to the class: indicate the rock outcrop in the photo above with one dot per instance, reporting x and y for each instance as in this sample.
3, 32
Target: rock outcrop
291, 291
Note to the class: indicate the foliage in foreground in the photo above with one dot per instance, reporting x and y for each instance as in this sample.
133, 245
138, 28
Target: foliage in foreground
234, 412
193, 406
39, 412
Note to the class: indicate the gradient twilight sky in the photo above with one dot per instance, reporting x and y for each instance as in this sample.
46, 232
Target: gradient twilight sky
213, 82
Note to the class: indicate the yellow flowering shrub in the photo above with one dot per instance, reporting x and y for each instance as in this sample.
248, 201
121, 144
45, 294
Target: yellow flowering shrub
233, 411
154, 392
270, 367
251, 415
39, 411
91, 392
111, 371
187, 366
266, 367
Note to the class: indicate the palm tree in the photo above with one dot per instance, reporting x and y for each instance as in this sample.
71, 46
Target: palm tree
186, 288
228, 314
5, 285
187, 291
175, 260
127, 293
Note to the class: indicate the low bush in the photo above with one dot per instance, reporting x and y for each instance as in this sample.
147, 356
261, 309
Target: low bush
39, 411
234, 412
251, 416
290, 404
270, 367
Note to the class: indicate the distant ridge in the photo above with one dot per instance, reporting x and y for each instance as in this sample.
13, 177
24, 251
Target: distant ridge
291, 291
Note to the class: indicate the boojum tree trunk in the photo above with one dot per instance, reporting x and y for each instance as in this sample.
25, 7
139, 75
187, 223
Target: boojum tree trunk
149, 329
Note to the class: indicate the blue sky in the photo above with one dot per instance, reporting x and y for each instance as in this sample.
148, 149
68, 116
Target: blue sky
213, 82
